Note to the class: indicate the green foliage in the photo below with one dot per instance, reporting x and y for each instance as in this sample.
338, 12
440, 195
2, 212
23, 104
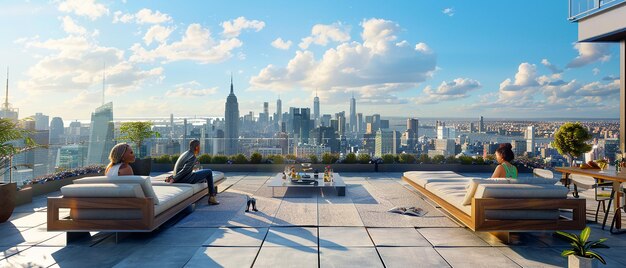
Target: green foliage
452, 160
438, 159
256, 158
571, 140
388, 158
479, 160
328, 158
204, 159
406, 159
174, 158
290, 157
424, 159
313, 159
350, 158
10, 131
364, 158
466, 160
276, 159
581, 247
163, 159
137, 132
239, 159
490, 157
219, 159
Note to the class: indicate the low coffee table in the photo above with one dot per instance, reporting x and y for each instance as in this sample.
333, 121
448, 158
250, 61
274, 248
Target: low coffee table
338, 184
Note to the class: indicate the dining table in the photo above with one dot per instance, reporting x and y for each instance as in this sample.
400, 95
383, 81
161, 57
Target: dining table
607, 175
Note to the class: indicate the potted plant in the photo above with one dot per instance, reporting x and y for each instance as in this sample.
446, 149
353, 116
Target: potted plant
581, 255
571, 140
10, 132
137, 133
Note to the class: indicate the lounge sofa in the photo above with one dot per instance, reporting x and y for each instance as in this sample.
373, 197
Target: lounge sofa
501, 205
123, 203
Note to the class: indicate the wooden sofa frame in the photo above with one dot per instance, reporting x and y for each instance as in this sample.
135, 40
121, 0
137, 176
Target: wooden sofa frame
147, 223
477, 221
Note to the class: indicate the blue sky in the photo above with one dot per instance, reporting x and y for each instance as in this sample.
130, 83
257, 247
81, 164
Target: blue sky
399, 58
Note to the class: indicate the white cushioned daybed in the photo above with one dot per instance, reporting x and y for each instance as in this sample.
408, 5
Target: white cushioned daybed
122, 203
501, 205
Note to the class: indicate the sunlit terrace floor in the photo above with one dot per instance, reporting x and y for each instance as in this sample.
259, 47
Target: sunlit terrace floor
297, 229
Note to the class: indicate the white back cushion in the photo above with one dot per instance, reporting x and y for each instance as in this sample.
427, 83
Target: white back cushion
144, 181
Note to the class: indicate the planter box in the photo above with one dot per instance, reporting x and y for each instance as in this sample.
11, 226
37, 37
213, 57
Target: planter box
53, 186
24, 196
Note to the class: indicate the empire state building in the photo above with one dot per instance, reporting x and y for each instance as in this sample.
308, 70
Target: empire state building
231, 118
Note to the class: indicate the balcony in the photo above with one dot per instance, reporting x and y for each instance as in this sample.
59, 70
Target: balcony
294, 228
580, 9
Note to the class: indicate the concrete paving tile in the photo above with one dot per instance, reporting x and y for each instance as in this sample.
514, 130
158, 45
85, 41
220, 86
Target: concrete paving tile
75, 256
7, 229
7, 251
534, 256
402, 257
237, 237
339, 215
27, 220
452, 237
291, 237
182, 237
344, 237
473, 257
38, 204
26, 237
200, 219
158, 256
295, 257
268, 207
516, 239
397, 237
349, 257
223, 257
32, 257
297, 212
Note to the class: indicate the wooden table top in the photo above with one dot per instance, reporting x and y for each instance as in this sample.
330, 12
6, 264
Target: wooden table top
608, 174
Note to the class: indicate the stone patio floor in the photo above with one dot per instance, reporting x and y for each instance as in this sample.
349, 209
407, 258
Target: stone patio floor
298, 228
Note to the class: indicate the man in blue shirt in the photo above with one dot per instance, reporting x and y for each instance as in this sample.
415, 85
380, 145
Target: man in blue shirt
184, 171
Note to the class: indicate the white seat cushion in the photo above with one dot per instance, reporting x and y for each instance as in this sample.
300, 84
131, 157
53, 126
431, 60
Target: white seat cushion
218, 177
543, 173
144, 181
424, 177
103, 190
521, 191
451, 192
170, 195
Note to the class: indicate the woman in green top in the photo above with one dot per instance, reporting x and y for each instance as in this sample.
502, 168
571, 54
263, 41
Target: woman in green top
504, 156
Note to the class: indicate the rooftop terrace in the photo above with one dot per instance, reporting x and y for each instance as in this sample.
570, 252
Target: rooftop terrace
298, 228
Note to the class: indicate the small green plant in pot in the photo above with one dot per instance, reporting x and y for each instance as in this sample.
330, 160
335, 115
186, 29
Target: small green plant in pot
581, 255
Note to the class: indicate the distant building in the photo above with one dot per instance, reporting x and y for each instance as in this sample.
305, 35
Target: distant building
266, 151
387, 142
101, 137
231, 117
316, 108
279, 111
305, 150
353, 119
42, 122
57, 130
530, 140
7, 111
325, 121
71, 156
359, 121
481, 125
445, 147
519, 147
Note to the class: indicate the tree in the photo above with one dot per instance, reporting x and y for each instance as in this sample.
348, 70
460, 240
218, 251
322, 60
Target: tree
313, 159
256, 158
10, 133
571, 140
204, 159
328, 158
424, 159
364, 158
239, 159
388, 158
350, 158
406, 159
438, 159
137, 132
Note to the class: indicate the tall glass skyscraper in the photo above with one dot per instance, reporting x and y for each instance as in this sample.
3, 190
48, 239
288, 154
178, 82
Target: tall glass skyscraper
231, 117
316, 108
353, 124
101, 138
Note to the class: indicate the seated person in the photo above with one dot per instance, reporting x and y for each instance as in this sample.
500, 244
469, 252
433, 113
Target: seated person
184, 171
121, 156
504, 156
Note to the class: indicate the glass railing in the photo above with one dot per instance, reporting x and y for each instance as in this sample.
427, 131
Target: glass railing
579, 9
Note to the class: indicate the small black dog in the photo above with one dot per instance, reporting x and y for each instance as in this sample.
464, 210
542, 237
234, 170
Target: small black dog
251, 201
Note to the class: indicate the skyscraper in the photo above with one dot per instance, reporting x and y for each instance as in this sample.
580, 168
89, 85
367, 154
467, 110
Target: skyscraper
41, 121
353, 123
359, 123
101, 135
7, 111
481, 125
231, 118
530, 139
56, 130
316, 107
279, 111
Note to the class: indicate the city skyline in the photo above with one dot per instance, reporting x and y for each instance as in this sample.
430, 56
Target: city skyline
431, 65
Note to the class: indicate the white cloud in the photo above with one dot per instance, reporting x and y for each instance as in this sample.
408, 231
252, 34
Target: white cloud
589, 53
525, 78
234, 27
322, 34
143, 16
447, 91
157, 33
281, 44
69, 26
595, 71
375, 68
448, 11
74, 63
87, 8
196, 45
553, 68
190, 90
